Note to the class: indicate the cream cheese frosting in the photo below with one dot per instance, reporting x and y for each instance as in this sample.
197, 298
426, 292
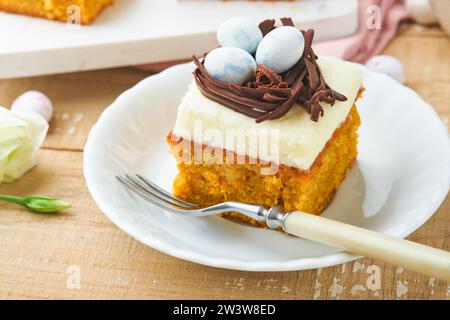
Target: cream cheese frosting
296, 141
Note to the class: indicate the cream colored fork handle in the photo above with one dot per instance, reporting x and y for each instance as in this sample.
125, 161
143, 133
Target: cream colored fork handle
413, 256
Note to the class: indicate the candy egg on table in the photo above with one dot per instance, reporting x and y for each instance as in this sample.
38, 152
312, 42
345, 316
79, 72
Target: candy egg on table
388, 65
281, 49
231, 65
240, 33
34, 101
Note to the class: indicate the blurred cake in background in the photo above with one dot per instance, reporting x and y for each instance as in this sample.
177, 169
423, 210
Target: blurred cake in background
61, 10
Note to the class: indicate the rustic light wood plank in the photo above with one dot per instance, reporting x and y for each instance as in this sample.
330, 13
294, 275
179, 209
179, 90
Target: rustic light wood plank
425, 59
410, 29
78, 99
37, 251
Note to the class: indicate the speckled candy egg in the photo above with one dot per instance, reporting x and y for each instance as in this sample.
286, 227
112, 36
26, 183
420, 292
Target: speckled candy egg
388, 65
240, 33
229, 64
34, 101
281, 49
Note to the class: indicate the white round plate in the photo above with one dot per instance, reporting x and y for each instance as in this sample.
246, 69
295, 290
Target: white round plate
400, 179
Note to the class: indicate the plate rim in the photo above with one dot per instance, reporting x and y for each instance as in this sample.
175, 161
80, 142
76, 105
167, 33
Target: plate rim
227, 263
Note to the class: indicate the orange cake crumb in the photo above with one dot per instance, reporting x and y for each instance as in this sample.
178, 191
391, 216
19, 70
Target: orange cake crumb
56, 9
310, 191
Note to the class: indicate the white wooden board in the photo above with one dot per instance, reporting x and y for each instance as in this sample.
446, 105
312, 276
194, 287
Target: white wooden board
146, 31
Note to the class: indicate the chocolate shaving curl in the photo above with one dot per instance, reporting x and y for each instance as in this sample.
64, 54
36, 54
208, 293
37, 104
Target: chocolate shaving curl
269, 95
266, 26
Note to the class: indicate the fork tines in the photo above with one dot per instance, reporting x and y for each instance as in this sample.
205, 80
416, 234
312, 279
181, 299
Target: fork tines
151, 192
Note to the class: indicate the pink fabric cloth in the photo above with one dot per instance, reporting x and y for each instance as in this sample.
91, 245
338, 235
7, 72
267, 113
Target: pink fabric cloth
367, 42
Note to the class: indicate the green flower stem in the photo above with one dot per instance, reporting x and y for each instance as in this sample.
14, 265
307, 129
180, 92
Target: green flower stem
13, 199
37, 204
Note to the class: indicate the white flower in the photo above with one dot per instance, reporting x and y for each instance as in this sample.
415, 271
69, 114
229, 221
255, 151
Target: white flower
21, 135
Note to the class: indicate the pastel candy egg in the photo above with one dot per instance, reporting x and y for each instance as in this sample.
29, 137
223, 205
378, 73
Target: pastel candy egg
281, 49
388, 65
34, 101
231, 65
240, 33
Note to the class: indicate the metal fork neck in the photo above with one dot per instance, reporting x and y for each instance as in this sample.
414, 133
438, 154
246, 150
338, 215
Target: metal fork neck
273, 217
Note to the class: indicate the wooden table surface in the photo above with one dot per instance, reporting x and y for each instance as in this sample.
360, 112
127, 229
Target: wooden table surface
40, 254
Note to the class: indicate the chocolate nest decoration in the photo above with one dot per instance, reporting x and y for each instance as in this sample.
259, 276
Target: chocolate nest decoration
270, 95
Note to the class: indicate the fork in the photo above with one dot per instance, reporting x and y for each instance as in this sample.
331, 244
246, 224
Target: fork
413, 256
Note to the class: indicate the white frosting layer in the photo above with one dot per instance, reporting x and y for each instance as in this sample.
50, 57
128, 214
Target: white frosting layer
296, 140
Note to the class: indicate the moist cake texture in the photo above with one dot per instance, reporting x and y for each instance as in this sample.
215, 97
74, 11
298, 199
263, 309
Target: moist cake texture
309, 190
56, 9
309, 111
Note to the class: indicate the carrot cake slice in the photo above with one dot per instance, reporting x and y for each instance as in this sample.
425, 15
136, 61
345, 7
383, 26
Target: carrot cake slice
257, 130
61, 10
